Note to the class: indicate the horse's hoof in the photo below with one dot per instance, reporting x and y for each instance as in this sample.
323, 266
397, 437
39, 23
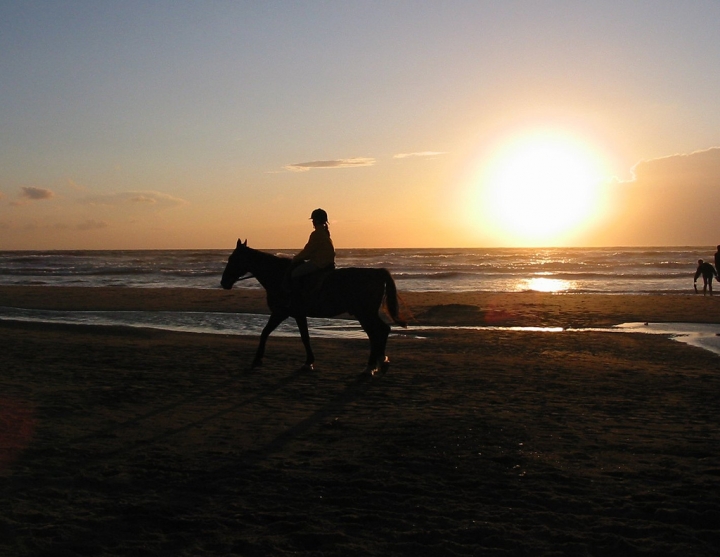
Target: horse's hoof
379, 368
256, 364
307, 367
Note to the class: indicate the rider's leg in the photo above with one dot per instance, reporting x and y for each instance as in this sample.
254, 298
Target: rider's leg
297, 281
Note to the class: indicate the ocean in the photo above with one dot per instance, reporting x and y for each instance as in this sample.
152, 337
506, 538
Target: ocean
663, 270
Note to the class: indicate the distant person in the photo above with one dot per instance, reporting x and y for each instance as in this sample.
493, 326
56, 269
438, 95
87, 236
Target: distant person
707, 271
717, 258
317, 255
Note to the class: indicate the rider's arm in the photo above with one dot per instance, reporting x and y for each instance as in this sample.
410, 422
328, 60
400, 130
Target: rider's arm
310, 248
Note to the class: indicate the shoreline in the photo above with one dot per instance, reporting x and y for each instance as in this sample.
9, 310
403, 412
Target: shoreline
525, 309
702, 335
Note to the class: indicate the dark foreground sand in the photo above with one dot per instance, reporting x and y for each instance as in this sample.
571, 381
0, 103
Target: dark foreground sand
135, 442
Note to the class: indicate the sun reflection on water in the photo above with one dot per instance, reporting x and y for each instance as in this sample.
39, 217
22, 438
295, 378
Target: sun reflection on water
543, 284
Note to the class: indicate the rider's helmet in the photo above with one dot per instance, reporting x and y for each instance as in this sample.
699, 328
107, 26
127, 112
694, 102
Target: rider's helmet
318, 215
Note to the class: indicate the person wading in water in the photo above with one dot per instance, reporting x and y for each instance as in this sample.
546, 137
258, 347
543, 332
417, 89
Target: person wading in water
708, 272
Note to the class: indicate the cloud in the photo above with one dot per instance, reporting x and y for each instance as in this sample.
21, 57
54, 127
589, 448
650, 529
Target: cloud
419, 154
671, 200
88, 225
75, 186
35, 194
699, 168
144, 198
339, 163
153, 199
91, 224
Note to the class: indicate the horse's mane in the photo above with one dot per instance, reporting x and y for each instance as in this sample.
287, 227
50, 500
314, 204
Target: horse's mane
268, 259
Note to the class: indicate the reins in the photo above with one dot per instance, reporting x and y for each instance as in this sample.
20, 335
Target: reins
245, 277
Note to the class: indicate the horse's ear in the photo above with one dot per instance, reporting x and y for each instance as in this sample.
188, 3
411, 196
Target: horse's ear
239, 243
245, 242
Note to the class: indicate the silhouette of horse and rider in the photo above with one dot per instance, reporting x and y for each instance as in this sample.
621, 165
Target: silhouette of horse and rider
309, 285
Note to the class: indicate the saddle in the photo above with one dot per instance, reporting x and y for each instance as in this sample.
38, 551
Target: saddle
305, 290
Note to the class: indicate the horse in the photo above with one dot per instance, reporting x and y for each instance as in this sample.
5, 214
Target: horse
360, 292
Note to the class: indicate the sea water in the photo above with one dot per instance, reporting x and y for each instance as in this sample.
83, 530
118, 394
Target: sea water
663, 270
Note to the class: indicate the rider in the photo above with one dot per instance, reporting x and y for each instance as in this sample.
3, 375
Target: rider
317, 255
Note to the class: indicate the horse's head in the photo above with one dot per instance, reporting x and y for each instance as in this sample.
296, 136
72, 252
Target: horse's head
237, 265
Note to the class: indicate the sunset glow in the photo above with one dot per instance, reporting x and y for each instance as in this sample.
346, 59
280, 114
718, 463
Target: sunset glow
467, 124
540, 188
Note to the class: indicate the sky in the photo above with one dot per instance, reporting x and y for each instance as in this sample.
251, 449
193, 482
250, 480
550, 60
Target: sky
183, 125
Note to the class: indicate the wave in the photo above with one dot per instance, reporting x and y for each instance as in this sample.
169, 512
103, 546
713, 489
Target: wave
76, 272
592, 270
589, 276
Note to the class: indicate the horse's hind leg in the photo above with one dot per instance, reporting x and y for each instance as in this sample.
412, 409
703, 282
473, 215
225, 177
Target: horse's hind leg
377, 331
385, 330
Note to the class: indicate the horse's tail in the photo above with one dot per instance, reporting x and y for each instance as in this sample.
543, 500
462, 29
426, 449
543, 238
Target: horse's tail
391, 299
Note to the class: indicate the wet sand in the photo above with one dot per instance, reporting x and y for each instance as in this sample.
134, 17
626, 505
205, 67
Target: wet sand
119, 441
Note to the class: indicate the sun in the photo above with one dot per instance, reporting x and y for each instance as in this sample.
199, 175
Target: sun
540, 188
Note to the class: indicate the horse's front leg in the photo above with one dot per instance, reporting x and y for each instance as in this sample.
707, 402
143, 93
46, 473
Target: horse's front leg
272, 324
305, 336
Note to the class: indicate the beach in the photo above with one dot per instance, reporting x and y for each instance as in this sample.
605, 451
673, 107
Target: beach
124, 441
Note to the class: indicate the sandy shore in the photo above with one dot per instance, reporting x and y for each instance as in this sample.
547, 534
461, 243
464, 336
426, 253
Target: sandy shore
119, 441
